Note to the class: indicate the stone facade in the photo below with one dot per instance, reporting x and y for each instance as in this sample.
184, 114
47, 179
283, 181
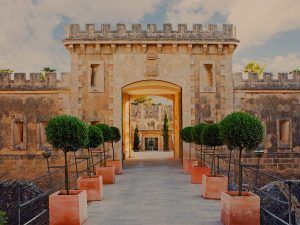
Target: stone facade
191, 67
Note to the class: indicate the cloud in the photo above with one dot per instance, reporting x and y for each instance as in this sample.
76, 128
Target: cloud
257, 21
277, 64
27, 40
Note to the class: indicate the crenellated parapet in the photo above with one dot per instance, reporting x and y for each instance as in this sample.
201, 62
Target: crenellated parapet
269, 81
212, 32
33, 81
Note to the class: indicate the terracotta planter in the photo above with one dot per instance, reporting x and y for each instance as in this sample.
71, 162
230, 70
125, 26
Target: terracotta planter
188, 164
118, 166
214, 186
68, 209
237, 210
93, 186
107, 172
198, 172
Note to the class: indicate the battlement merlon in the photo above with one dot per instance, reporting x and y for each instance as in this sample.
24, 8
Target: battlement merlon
282, 81
213, 33
33, 81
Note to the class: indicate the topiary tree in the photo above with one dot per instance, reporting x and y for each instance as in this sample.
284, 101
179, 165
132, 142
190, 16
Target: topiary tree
166, 133
95, 138
115, 137
136, 140
69, 134
107, 136
242, 131
186, 135
211, 137
197, 137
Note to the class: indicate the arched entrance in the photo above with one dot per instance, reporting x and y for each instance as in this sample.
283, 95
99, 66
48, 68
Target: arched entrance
151, 88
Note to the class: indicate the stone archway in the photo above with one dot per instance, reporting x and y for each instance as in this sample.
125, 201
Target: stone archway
153, 88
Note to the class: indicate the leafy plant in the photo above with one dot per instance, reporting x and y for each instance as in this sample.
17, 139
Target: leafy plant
95, 138
146, 100
69, 134
187, 136
115, 137
242, 131
211, 138
166, 133
6, 71
45, 71
197, 137
136, 140
256, 68
107, 136
3, 218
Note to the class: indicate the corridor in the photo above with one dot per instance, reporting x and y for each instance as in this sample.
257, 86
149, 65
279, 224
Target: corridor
153, 191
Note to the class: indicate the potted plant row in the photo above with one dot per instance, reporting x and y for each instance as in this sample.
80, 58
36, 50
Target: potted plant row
70, 134
238, 130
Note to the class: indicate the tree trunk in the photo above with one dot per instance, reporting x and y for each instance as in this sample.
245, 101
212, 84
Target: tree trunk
190, 151
76, 167
112, 145
229, 164
213, 170
240, 172
66, 174
104, 157
201, 156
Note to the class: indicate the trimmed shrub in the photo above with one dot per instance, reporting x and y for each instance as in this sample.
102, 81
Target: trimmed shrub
243, 131
186, 135
211, 138
67, 133
115, 137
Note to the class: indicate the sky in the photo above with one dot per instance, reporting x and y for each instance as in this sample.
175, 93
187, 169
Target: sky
32, 30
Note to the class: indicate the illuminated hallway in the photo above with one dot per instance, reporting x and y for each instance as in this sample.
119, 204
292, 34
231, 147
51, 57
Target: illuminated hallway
153, 191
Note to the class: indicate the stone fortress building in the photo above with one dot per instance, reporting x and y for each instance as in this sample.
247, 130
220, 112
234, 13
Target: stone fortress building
193, 68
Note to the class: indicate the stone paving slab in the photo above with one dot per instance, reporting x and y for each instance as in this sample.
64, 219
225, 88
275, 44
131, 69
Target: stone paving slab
153, 192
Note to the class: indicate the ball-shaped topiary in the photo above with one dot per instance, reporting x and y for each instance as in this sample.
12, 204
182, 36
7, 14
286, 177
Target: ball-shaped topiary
211, 138
95, 136
197, 133
106, 130
243, 131
115, 137
187, 136
211, 135
115, 134
67, 133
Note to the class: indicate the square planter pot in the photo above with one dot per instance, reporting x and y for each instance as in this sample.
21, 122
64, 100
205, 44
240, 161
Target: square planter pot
118, 166
107, 172
237, 210
214, 186
93, 186
68, 209
188, 164
198, 172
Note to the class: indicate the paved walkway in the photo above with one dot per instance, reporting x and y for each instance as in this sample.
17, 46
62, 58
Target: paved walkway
153, 191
